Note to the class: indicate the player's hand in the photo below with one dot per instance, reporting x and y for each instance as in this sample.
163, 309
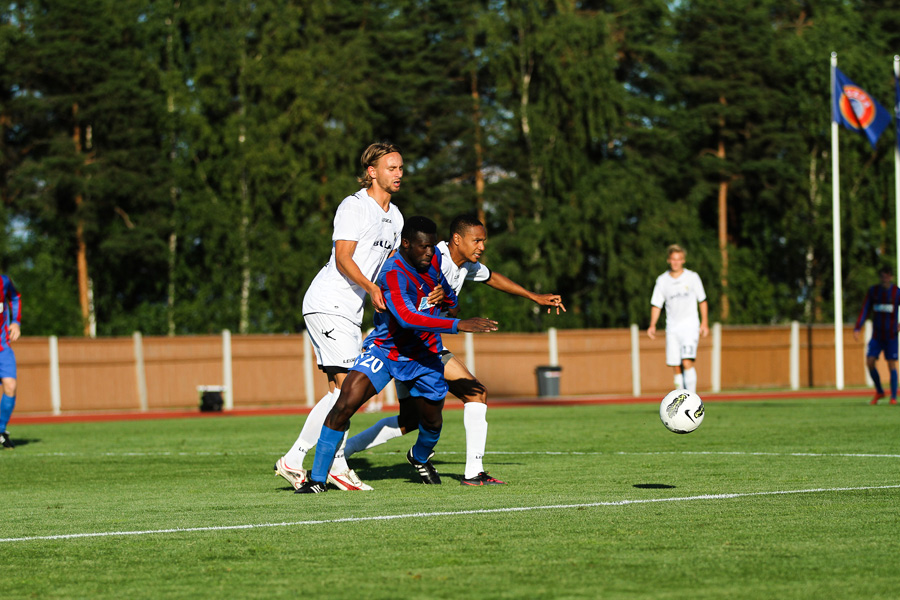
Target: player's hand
856, 335
477, 325
651, 332
14, 332
377, 299
436, 296
704, 330
551, 300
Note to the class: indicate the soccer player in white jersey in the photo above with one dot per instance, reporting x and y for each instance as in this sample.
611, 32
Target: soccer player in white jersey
367, 230
681, 291
459, 264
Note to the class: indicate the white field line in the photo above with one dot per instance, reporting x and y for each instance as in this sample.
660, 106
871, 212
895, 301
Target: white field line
484, 511
511, 453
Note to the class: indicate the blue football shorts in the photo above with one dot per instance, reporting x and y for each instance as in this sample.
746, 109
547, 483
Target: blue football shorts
423, 378
876, 347
7, 363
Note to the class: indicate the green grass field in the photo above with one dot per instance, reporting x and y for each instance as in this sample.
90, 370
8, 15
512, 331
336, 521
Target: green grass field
794, 498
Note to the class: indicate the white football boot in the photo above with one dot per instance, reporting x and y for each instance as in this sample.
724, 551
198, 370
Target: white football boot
348, 481
296, 477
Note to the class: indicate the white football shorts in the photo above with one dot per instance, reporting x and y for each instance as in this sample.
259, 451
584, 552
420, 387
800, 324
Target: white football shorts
336, 340
681, 344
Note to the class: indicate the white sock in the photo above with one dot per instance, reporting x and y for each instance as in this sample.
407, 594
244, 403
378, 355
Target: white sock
386, 429
690, 379
679, 382
339, 464
476, 436
309, 435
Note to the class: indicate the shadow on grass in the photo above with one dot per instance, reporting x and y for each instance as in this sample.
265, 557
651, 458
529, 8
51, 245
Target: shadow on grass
401, 470
19, 442
654, 486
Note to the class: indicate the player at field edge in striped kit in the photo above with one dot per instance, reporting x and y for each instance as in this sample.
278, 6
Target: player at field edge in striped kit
11, 306
882, 302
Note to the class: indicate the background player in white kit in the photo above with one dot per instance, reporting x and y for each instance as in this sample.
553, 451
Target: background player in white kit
460, 263
681, 291
367, 230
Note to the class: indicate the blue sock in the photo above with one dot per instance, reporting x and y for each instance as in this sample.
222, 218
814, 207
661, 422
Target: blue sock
328, 443
7, 404
894, 383
873, 373
428, 439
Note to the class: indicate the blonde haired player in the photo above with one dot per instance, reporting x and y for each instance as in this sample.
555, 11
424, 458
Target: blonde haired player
367, 228
681, 292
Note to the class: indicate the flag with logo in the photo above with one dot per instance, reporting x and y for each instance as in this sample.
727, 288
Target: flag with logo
856, 110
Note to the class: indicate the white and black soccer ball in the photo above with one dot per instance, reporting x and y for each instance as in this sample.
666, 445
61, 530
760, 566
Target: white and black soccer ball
681, 411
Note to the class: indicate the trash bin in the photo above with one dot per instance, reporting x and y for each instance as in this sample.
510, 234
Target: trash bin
548, 380
211, 398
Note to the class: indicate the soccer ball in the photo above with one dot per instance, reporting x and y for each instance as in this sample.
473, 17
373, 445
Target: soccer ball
681, 411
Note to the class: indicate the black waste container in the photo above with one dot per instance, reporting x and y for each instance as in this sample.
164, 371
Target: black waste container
548, 380
211, 401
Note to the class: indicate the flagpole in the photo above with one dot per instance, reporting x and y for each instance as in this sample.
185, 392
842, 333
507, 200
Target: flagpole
836, 237
897, 164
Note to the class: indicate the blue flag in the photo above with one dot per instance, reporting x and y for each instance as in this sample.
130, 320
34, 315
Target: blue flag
856, 110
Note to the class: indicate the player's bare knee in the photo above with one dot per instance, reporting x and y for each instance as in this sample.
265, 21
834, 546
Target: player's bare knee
433, 423
468, 390
432, 418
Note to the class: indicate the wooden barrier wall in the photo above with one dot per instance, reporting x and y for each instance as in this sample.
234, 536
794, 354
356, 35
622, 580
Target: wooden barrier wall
268, 370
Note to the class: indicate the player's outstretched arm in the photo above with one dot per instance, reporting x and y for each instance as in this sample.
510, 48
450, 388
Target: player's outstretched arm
503, 283
476, 325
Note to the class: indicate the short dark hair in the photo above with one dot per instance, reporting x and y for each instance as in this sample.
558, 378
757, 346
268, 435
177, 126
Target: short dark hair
886, 269
417, 224
463, 222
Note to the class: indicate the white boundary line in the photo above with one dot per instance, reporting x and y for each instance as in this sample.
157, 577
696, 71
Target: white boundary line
490, 453
483, 511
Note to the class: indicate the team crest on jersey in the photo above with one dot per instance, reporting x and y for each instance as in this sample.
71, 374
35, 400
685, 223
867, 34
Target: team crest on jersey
424, 305
857, 107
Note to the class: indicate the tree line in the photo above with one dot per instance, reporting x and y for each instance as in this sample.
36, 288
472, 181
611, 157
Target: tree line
173, 167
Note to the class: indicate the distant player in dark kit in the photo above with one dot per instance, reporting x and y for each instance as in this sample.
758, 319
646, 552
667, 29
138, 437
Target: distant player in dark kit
11, 306
882, 301
407, 347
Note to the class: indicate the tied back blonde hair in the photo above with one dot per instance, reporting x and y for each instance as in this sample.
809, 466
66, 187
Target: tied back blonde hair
370, 158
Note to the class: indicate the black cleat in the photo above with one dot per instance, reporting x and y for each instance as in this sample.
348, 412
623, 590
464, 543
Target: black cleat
481, 479
426, 470
5, 442
311, 487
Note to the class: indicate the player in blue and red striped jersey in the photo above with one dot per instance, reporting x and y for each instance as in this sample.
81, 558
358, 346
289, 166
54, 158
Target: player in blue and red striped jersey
882, 303
11, 307
406, 345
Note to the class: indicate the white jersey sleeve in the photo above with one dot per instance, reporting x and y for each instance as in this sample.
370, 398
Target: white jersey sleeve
680, 297
360, 219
